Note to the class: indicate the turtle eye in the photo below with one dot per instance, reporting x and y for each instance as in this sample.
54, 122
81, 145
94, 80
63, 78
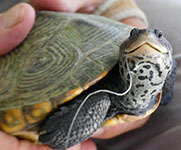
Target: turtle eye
158, 33
134, 32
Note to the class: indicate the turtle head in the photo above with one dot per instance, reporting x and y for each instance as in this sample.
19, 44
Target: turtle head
146, 58
151, 37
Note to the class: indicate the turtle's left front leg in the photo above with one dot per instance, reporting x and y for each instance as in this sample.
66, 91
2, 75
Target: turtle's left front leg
55, 129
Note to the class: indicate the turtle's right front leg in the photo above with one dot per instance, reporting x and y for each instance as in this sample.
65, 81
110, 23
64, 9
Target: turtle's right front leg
54, 130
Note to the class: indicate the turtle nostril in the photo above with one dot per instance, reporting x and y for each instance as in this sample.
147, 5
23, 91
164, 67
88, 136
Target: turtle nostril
134, 32
158, 33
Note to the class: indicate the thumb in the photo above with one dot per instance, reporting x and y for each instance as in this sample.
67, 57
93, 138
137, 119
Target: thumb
15, 25
8, 142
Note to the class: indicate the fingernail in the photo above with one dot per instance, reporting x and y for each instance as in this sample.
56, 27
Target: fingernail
76, 147
98, 132
90, 9
12, 17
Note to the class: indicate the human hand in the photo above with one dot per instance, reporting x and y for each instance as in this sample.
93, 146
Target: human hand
14, 27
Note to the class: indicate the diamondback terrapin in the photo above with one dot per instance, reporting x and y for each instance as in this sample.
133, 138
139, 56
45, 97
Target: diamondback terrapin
81, 58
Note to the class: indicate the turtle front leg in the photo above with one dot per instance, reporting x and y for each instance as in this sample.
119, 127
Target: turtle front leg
168, 86
55, 129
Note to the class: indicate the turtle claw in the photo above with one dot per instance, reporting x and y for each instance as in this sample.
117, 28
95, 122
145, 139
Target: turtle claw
42, 132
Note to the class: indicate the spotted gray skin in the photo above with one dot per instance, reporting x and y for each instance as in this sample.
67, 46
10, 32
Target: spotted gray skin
148, 71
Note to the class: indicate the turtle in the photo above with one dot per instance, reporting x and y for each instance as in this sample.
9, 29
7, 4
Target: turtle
75, 73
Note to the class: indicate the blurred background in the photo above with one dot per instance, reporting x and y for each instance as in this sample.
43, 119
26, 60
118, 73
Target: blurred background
166, 16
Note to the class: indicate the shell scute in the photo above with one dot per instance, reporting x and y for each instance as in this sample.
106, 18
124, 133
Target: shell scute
12, 120
37, 112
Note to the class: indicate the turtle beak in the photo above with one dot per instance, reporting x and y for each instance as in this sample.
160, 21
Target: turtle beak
142, 45
151, 37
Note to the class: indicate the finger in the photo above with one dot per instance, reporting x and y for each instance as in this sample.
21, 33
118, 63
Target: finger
63, 5
8, 142
56, 5
112, 131
87, 145
75, 147
88, 9
133, 21
15, 25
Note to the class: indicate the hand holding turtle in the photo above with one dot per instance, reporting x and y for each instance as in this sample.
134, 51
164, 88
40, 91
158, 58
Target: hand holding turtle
4, 40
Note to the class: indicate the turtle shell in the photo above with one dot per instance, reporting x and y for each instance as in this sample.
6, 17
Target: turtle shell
62, 56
